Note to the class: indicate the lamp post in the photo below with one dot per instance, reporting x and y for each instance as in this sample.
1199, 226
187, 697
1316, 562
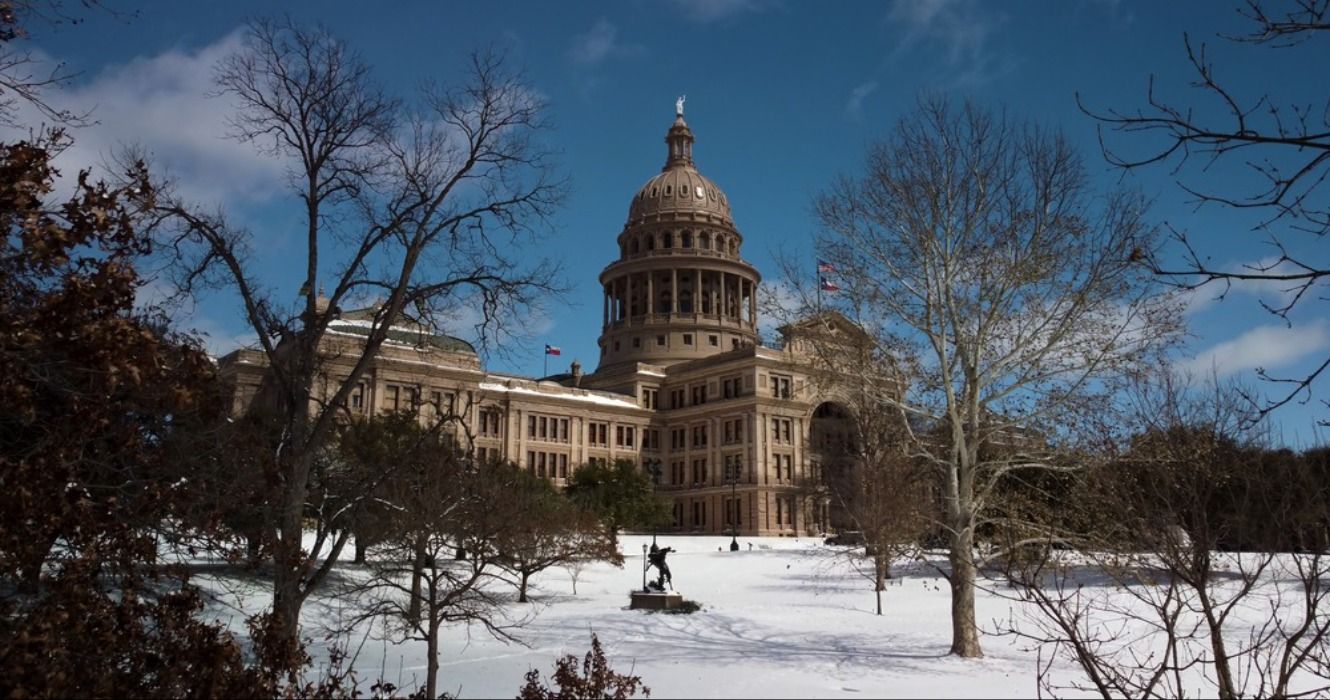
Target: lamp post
653, 468
732, 478
645, 565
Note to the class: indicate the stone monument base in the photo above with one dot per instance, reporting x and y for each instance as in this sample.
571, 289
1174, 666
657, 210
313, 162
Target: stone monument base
653, 600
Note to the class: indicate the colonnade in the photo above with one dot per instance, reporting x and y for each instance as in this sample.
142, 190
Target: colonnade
726, 295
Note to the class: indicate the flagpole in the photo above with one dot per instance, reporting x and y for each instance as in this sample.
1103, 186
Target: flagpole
817, 263
546, 371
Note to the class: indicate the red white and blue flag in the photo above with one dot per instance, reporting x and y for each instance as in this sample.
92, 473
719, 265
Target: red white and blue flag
552, 350
823, 266
829, 286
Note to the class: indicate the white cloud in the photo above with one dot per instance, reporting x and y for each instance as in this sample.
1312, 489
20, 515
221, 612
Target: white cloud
959, 28
854, 107
600, 43
1267, 347
706, 11
161, 103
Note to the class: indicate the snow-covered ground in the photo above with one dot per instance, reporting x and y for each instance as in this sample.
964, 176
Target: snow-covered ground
786, 618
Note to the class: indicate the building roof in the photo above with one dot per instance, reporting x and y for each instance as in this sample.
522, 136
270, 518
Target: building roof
406, 331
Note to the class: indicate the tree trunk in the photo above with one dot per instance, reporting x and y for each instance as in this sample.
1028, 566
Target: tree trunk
879, 580
432, 656
417, 572
521, 589
964, 632
362, 544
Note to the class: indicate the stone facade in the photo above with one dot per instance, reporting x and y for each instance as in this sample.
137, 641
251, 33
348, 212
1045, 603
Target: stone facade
683, 388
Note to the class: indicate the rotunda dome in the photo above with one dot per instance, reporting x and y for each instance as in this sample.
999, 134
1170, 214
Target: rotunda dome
679, 187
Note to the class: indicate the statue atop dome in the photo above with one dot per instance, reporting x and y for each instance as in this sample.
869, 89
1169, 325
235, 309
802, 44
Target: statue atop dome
678, 105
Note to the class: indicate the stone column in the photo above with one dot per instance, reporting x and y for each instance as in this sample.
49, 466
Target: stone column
752, 305
628, 297
674, 290
697, 290
604, 308
651, 293
724, 299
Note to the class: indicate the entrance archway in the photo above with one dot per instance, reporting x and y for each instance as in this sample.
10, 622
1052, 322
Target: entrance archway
831, 448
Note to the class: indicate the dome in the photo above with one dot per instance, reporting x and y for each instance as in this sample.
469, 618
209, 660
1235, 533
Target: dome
679, 188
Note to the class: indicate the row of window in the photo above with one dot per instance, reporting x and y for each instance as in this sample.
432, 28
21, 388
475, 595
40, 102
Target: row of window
733, 509
663, 341
547, 428
547, 465
686, 240
406, 397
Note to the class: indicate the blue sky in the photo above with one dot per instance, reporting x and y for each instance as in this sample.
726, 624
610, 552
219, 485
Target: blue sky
782, 97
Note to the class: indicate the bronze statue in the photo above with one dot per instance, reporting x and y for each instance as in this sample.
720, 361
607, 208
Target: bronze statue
657, 559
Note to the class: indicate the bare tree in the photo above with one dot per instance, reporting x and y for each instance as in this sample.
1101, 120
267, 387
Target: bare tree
1276, 150
863, 472
425, 213
993, 279
546, 530
25, 77
1210, 575
416, 585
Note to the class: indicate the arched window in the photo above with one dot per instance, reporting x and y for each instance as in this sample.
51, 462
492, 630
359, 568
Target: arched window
685, 302
687, 239
704, 241
651, 241
663, 303
669, 240
632, 246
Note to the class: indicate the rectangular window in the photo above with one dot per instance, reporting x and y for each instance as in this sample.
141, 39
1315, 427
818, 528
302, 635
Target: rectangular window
713, 340
780, 386
597, 434
358, 398
687, 338
732, 387
531, 427
699, 436
660, 340
392, 397
489, 423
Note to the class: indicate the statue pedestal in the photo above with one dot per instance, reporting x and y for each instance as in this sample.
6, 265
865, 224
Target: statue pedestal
652, 600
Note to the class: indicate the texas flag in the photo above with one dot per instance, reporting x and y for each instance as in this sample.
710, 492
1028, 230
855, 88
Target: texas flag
829, 286
551, 350
824, 266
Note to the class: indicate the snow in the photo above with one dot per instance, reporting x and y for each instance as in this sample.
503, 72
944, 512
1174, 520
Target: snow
564, 394
787, 618
784, 618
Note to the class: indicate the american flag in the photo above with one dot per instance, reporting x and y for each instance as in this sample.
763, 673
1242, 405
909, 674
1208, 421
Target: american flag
824, 266
829, 286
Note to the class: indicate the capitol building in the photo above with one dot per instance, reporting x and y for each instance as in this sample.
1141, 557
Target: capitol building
729, 429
